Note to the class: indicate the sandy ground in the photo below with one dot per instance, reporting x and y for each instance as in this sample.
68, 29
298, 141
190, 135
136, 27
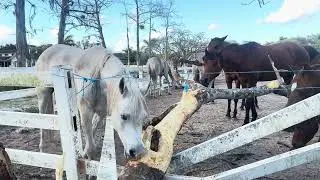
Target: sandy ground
205, 124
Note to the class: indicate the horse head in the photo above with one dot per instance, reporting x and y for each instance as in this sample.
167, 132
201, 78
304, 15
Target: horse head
216, 44
211, 68
127, 116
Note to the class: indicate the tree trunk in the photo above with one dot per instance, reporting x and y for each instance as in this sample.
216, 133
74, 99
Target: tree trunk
62, 23
160, 138
128, 39
99, 24
22, 53
167, 39
150, 29
138, 29
159, 141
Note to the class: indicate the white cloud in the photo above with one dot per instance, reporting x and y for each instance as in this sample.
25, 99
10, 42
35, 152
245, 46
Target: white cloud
121, 43
54, 32
7, 34
212, 27
5, 31
293, 10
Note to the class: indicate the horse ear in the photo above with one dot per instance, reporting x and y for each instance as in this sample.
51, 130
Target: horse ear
224, 38
122, 87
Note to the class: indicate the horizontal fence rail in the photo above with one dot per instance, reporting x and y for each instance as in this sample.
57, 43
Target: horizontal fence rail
265, 126
30, 120
264, 167
15, 94
28, 77
46, 160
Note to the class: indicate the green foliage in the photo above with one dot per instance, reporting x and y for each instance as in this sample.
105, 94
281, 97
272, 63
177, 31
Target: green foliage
8, 47
313, 40
36, 51
123, 56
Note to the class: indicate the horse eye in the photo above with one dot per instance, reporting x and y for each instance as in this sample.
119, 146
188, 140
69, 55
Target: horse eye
124, 117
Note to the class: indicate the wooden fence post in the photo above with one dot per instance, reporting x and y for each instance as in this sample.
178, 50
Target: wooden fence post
107, 165
69, 120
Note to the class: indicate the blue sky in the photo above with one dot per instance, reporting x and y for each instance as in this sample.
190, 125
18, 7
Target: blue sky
213, 17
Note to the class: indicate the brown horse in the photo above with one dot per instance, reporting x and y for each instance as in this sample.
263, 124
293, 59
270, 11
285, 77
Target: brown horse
313, 53
213, 69
306, 130
251, 62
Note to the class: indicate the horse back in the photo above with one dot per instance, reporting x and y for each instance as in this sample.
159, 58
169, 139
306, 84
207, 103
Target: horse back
97, 60
58, 54
289, 55
155, 66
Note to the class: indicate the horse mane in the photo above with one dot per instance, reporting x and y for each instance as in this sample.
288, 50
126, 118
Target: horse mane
112, 85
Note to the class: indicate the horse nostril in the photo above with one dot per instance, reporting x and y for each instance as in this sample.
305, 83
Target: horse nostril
132, 153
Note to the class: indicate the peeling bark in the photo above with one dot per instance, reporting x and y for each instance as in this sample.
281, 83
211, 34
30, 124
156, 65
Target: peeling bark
6, 171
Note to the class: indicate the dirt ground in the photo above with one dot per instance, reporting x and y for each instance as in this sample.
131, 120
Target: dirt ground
208, 122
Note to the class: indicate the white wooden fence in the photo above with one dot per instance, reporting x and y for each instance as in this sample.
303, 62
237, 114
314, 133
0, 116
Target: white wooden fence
75, 167
67, 122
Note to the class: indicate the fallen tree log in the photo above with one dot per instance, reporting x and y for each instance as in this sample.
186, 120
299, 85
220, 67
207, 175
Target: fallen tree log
154, 164
159, 139
6, 171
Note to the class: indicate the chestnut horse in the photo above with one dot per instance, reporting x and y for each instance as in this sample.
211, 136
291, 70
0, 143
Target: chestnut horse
305, 131
250, 61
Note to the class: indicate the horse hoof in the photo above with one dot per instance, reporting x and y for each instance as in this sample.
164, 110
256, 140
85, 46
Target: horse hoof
234, 116
245, 122
169, 93
228, 115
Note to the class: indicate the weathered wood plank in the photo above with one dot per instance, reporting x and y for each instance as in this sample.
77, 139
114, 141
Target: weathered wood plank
266, 166
7, 95
107, 165
63, 85
46, 160
267, 125
31, 120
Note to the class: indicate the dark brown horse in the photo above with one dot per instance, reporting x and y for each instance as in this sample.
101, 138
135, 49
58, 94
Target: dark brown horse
313, 53
251, 62
306, 130
211, 68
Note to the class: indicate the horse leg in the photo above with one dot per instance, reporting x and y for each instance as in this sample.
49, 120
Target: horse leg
252, 104
86, 114
45, 103
256, 102
304, 132
97, 121
229, 85
196, 75
236, 101
167, 79
155, 79
160, 85
243, 100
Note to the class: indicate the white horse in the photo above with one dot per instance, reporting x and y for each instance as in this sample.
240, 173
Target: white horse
157, 68
113, 92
